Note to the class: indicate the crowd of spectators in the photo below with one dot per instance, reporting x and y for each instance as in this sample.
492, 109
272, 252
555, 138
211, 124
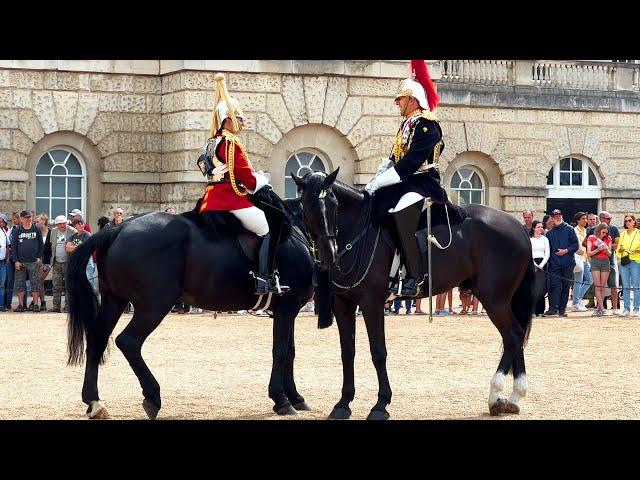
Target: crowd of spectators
592, 258
32, 248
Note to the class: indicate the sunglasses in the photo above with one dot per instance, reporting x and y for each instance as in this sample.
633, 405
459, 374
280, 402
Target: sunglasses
629, 220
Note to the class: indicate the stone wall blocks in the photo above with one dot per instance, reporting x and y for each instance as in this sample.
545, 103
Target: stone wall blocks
133, 103
110, 83
12, 160
267, 128
120, 162
315, 89
30, 125
86, 112
20, 142
378, 87
9, 118
44, 109
26, 79
293, 94
278, 112
335, 99
251, 82
360, 131
66, 106
6, 99
351, 113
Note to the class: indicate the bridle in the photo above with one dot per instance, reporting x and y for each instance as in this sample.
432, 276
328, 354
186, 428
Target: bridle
326, 235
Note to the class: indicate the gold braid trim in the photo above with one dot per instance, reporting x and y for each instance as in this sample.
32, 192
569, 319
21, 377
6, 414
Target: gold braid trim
398, 151
232, 141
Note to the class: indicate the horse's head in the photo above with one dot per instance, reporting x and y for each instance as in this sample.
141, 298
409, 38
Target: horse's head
320, 212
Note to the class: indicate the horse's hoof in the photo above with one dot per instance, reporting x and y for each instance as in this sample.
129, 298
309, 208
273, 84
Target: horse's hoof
511, 408
378, 415
340, 413
498, 407
150, 408
97, 411
302, 406
286, 409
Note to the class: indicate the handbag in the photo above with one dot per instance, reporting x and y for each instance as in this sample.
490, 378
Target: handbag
625, 260
579, 267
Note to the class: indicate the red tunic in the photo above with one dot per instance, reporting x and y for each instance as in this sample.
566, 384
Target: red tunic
221, 196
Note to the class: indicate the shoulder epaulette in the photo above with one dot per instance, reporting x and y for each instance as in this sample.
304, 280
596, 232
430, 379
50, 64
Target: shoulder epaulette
426, 114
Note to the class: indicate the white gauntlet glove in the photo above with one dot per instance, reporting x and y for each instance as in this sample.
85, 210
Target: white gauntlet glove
385, 164
388, 177
261, 182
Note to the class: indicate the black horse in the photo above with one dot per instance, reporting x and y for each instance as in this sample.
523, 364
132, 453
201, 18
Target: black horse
153, 259
489, 252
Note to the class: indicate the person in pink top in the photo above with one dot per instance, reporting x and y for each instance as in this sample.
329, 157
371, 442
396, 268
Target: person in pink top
599, 251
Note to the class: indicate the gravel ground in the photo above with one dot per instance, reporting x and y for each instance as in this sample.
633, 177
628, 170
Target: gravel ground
578, 368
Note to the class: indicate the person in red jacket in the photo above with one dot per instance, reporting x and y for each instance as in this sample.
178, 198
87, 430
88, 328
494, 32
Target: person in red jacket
231, 177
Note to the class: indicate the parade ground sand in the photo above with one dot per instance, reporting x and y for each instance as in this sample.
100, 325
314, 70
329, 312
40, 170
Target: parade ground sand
578, 368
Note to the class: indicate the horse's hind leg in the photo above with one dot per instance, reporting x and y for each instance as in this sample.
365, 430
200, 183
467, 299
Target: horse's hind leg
109, 313
519, 373
130, 340
503, 319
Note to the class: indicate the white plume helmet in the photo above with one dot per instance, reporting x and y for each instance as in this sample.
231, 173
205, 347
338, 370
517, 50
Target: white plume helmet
225, 106
411, 88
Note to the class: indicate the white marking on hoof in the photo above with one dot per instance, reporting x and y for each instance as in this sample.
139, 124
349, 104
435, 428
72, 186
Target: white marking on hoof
520, 387
497, 385
96, 407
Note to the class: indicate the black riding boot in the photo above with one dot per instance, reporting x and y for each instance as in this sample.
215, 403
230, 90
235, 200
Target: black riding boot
406, 223
267, 281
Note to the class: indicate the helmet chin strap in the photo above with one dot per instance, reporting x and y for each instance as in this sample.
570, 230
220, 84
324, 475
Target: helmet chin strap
405, 105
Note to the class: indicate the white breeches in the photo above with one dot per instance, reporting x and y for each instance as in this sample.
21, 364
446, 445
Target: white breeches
252, 218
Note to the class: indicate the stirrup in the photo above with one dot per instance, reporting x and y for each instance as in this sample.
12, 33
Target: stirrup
270, 285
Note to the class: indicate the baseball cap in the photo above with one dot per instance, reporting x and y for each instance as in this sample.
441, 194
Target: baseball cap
4, 218
60, 219
24, 214
75, 212
556, 212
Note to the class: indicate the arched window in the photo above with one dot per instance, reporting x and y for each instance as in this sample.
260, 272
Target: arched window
301, 163
467, 187
573, 173
60, 182
573, 185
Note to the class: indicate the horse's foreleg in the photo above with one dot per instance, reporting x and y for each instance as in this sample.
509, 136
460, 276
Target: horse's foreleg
374, 318
282, 331
290, 389
345, 313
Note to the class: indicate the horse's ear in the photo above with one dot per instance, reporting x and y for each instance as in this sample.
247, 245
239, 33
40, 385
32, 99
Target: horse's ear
299, 182
331, 178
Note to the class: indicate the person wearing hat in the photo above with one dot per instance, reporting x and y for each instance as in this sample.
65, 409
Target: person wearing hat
563, 243
59, 257
27, 250
411, 172
77, 213
231, 177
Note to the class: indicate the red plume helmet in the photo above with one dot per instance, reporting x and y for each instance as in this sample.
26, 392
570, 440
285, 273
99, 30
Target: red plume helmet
421, 74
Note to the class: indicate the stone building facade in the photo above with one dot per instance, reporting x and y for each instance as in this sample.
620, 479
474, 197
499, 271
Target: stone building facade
519, 135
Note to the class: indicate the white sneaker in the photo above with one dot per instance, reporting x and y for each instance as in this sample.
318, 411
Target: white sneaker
616, 312
626, 313
636, 313
579, 308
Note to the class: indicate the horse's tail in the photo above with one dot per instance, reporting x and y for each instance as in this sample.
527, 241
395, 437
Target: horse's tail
324, 297
83, 301
523, 300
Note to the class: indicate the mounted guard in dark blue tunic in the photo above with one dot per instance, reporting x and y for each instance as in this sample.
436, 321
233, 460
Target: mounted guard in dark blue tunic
411, 173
